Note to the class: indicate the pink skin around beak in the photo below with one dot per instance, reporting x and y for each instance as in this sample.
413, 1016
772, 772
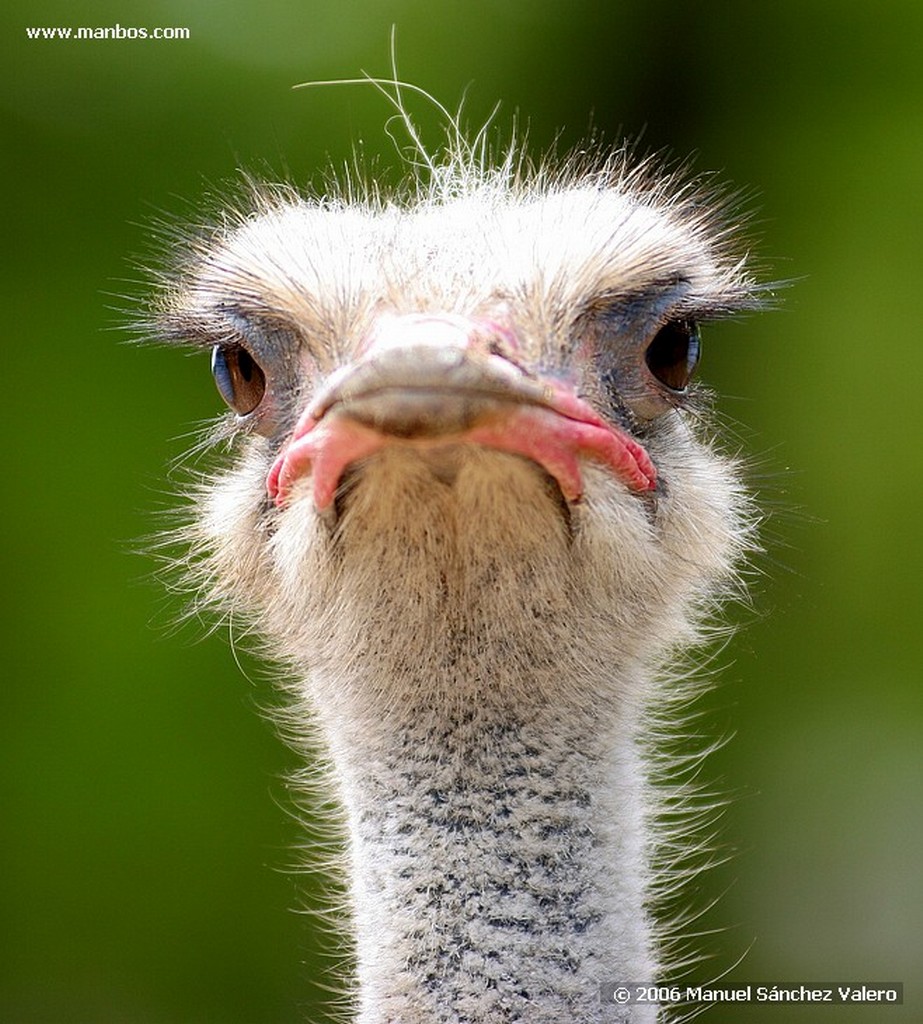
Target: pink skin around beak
543, 421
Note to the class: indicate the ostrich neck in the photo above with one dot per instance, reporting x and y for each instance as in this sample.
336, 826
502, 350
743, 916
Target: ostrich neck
497, 851
477, 672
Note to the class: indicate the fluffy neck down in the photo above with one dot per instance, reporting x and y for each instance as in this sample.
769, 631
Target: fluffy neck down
481, 695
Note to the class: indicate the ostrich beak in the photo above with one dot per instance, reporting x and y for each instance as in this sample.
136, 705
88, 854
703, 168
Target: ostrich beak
427, 381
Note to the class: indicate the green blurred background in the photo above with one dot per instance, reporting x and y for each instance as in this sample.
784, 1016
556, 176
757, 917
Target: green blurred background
146, 839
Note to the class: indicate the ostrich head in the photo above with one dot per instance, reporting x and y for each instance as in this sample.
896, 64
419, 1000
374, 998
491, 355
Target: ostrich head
472, 508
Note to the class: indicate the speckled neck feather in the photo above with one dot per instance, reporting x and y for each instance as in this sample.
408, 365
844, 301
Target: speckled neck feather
489, 881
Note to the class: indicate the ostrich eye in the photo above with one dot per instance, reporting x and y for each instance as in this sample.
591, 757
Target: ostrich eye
238, 377
672, 355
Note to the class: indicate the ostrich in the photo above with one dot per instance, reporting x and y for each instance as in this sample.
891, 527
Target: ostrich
473, 511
